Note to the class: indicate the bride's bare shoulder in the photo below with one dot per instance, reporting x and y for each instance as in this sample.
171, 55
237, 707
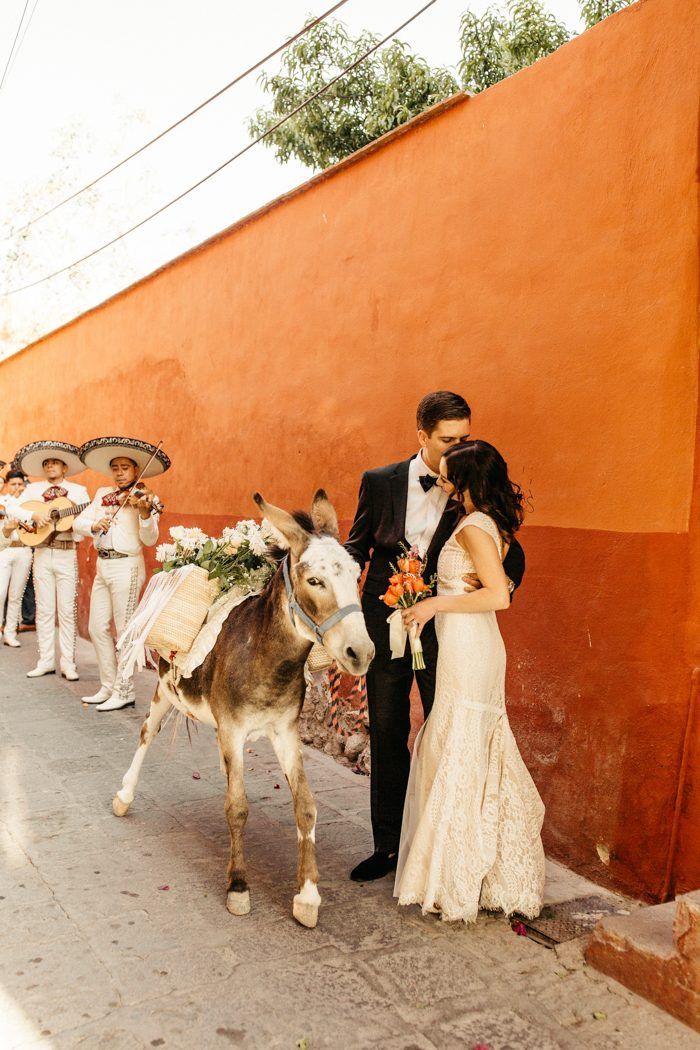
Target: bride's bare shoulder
473, 526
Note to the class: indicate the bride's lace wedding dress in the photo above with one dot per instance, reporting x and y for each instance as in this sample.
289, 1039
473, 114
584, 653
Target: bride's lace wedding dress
470, 837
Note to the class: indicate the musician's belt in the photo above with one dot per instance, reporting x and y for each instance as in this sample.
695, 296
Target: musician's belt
18, 543
111, 554
58, 545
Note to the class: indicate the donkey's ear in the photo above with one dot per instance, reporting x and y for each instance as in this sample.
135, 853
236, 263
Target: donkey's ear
293, 535
324, 516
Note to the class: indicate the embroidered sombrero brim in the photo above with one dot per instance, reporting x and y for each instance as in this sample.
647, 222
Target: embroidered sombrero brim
99, 453
30, 458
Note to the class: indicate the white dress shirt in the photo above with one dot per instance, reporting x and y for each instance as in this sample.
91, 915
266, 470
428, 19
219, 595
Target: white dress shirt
12, 506
423, 509
77, 494
129, 533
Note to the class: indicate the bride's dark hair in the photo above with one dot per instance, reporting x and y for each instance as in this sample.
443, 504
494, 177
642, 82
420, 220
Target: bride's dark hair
480, 469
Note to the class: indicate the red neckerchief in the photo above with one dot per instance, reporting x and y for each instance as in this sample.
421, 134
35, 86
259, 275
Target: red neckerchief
111, 499
54, 492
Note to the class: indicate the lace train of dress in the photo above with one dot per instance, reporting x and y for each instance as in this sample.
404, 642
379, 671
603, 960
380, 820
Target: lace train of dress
470, 836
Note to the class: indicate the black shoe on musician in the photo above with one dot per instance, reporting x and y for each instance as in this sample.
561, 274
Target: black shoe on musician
375, 867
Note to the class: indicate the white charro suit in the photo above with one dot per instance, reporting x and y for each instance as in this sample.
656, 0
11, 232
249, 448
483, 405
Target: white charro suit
15, 566
120, 575
56, 582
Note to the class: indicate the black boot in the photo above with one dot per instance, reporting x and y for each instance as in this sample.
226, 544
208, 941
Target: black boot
375, 867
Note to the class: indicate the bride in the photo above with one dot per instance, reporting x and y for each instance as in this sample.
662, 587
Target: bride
470, 837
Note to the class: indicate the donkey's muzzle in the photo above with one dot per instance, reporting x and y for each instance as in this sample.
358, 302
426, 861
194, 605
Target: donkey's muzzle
357, 658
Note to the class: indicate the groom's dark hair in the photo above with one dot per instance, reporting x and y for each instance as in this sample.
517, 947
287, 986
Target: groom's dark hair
441, 404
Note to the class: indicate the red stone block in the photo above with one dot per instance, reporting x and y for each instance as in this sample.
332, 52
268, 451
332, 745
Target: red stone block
656, 953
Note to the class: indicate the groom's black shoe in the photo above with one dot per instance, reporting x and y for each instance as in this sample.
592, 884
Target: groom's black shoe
375, 867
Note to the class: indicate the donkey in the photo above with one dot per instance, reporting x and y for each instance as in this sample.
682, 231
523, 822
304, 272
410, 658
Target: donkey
252, 682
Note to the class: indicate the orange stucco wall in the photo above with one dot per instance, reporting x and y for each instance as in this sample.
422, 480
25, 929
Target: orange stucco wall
535, 248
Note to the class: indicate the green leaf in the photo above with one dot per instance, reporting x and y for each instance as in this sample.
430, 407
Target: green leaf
500, 43
382, 92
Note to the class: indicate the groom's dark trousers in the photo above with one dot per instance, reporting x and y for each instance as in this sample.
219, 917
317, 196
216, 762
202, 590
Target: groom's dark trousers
376, 537
389, 685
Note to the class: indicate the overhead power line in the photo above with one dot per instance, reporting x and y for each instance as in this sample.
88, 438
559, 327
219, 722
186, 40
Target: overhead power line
166, 131
9, 57
13, 63
236, 156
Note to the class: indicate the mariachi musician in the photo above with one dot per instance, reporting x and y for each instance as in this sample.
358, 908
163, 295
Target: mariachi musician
122, 519
55, 560
7, 528
16, 560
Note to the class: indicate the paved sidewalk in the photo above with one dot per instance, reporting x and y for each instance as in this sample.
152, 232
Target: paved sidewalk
95, 952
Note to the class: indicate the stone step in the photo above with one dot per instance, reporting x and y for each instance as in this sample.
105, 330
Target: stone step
655, 952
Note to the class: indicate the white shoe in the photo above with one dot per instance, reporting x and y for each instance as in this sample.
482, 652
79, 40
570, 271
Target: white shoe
70, 673
117, 702
99, 698
39, 671
10, 639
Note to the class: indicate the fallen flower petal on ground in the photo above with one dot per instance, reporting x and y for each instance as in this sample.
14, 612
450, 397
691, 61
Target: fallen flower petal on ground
196, 775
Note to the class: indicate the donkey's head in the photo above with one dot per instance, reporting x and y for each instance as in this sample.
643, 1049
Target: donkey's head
323, 580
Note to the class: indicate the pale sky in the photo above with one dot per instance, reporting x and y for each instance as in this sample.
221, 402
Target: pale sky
109, 76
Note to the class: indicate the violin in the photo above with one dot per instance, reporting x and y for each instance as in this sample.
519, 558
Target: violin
139, 496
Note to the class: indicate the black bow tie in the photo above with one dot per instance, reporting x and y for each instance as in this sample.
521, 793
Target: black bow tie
427, 481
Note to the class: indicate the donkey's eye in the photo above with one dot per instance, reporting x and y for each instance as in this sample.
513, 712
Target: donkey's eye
313, 582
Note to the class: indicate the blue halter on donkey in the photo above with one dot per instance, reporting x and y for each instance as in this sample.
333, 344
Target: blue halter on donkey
297, 613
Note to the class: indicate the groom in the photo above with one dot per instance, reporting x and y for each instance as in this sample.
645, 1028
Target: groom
402, 504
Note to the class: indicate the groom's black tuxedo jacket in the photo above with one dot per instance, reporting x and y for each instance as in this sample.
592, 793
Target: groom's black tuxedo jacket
380, 525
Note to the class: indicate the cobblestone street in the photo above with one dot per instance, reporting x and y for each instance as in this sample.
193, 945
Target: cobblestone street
115, 932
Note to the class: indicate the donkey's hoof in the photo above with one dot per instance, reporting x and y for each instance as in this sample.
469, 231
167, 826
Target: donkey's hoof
306, 914
238, 903
119, 808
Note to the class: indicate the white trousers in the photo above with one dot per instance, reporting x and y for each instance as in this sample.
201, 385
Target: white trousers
56, 584
15, 566
115, 595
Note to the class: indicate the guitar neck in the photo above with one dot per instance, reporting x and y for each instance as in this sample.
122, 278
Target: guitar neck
70, 512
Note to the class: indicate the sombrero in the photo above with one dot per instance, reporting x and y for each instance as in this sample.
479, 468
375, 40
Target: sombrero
30, 458
99, 453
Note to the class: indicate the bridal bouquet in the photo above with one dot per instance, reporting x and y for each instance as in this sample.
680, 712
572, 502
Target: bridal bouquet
239, 557
406, 587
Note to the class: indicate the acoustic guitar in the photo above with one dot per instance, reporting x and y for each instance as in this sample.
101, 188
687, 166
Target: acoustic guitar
61, 512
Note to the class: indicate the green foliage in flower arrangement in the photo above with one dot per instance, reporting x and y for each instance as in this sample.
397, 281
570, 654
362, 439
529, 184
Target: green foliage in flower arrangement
240, 557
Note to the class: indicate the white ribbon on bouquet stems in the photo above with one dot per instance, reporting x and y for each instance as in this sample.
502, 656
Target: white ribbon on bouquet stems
397, 640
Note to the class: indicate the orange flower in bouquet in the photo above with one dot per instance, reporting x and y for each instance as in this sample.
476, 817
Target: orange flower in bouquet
406, 587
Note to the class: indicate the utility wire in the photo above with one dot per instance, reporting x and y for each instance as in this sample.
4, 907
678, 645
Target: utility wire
166, 131
19, 46
241, 152
9, 57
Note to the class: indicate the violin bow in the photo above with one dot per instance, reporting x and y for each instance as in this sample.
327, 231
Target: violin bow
133, 486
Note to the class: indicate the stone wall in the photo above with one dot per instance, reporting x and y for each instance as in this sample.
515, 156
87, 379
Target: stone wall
345, 737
